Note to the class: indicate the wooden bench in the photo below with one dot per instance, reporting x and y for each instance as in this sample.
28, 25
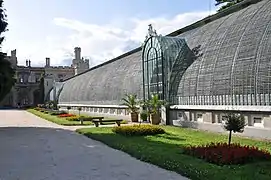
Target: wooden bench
97, 121
100, 118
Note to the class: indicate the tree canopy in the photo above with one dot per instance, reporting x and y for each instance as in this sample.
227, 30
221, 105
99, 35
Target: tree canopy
227, 3
6, 72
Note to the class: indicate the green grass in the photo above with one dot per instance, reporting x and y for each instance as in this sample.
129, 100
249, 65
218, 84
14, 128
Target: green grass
166, 151
58, 120
64, 121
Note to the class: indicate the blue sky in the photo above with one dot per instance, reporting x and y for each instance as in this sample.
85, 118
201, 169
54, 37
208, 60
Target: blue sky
103, 29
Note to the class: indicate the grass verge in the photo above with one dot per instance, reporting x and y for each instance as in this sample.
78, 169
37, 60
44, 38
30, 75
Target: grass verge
64, 121
166, 151
58, 120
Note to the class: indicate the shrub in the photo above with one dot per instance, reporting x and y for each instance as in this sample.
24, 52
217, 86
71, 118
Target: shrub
56, 113
223, 154
138, 130
66, 115
78, 118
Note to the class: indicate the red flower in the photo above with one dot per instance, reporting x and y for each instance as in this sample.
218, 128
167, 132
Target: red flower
66, 115
222, 153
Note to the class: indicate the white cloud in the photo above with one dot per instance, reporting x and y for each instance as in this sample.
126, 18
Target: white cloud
100, 43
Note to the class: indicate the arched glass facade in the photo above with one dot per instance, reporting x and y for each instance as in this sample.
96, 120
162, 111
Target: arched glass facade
164, 59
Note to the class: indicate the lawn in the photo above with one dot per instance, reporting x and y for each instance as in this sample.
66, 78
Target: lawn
166, 151
64, 121
57, 120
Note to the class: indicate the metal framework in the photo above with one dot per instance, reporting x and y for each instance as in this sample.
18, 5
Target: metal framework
164, 59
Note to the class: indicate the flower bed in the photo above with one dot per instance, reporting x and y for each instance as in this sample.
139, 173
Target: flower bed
223, 154
66, 115
138, 130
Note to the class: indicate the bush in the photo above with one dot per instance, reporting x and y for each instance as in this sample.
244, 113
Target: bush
66, 115
223, 154
77, 118
56, 113
138, 130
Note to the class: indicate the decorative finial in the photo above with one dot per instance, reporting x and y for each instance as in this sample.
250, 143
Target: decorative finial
151, 33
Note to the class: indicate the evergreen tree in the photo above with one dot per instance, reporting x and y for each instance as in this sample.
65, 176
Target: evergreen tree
6, 72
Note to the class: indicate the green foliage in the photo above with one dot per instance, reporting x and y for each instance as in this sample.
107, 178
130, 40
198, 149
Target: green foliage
6, 71
154, 104
144, 115
78, 118
228, 3
138, 130
164, 150
131, 102
234, 123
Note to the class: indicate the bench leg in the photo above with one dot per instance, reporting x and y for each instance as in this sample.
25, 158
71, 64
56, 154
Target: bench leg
96, 124
118, 123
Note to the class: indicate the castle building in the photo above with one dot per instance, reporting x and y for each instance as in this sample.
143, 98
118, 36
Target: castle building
28, 89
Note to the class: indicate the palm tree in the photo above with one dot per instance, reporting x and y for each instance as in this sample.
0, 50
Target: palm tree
131, 102
154, 105
234, 123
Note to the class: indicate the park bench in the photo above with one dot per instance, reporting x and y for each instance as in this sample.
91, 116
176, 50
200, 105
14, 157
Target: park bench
97, 121
100, 118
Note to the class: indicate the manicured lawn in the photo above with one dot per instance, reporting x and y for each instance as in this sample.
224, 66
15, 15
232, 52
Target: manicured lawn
64, 121
166, 151
58, 120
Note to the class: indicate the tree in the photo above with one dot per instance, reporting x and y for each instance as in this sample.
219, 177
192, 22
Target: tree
6, 72
228, 3
131, 102
234, 123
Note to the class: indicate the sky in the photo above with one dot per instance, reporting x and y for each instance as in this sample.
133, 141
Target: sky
103, 29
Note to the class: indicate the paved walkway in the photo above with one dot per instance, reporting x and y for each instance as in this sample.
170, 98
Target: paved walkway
34, 149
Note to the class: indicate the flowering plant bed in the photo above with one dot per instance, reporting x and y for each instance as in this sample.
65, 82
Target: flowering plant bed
66, 115
223, 154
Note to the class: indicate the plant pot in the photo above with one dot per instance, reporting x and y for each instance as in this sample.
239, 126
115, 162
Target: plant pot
155, 119
134, 117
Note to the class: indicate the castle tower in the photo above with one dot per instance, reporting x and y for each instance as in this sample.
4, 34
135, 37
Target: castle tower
47, 62
13, 58
77, 52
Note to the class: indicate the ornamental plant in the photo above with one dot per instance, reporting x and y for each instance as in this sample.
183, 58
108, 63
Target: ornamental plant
131, 102
138, 130
222, 154
234, 123
66, 115
81, 119
68, 108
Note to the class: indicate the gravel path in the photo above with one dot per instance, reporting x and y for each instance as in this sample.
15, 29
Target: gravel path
35, 149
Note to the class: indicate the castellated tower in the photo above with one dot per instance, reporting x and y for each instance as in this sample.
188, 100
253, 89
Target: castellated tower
13, 58
79, 64
47, 62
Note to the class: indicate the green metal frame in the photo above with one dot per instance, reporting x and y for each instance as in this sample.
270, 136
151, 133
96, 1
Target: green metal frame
164, 59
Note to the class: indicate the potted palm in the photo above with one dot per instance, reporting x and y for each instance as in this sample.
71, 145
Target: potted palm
155, 105
131, 102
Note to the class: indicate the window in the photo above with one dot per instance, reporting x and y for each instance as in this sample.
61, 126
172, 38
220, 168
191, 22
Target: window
47, 83
258, 122
199, 117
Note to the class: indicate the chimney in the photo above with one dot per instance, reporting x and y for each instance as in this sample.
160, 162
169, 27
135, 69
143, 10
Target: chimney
29, 64
47, 64
26, 63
